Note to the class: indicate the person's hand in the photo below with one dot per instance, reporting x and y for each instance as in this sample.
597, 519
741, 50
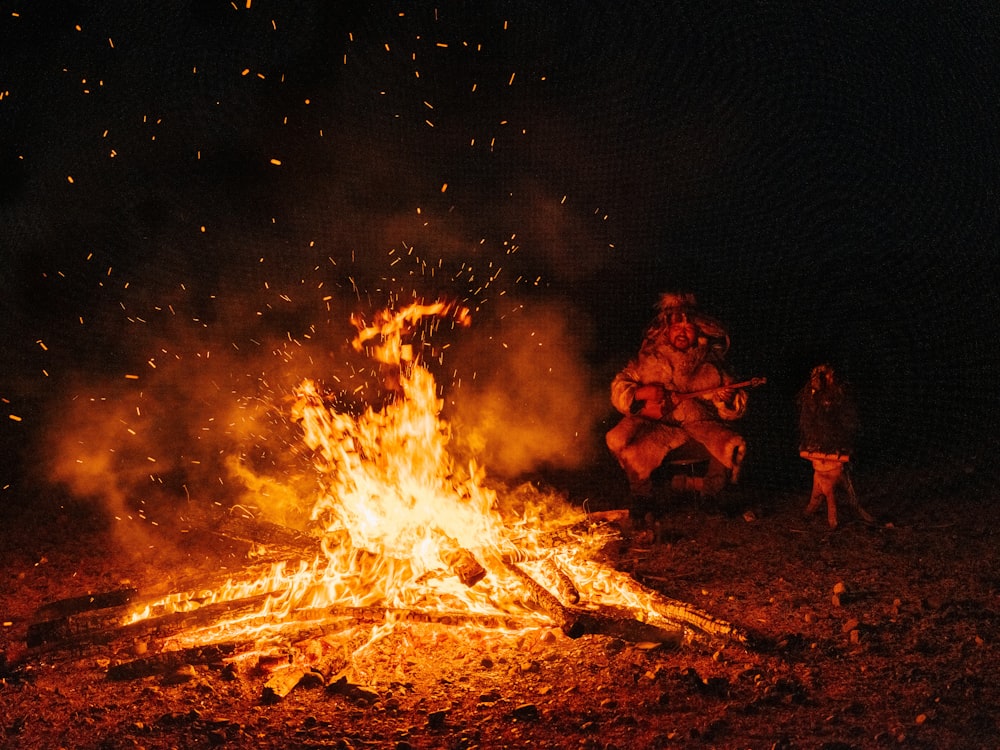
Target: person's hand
730, 402
725, 395
651, 392
657, 402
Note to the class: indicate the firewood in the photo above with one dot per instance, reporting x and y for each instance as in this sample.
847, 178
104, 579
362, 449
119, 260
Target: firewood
460, 561
329, 666
169, 661
666, 618
450, 618
281, 683
66, 618
108, 625
267, 534
617, 623
327, 656
340, 685
698, 625
596, 530
86, 603
564, 584
547, 602
465, 567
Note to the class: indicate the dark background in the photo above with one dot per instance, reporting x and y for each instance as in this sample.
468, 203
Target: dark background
823, 178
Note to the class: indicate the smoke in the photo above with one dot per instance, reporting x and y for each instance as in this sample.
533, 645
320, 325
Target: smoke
527, 399
200, 422
197, 418
191, 414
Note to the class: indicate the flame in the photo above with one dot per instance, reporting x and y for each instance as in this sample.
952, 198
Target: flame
390, 485
401, 525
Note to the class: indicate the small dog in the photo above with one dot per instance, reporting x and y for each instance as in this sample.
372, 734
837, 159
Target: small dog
828, 423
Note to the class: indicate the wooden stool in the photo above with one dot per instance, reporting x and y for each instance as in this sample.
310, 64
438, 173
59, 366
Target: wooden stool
829, 472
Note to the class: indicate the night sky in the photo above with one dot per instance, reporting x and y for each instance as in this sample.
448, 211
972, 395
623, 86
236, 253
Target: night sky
201, 192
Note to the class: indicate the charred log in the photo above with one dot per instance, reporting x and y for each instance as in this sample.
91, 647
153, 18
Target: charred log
597, 531
170, 661
617, 623
273, 536
342, 686
106, 626
547, 602
86, 603
700, 622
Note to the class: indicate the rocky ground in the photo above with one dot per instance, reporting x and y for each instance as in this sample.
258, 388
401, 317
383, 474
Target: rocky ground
881, 635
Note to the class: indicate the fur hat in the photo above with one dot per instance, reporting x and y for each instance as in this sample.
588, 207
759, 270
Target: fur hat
709, 328
676, 300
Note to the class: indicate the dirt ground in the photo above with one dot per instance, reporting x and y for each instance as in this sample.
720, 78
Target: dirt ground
905, 655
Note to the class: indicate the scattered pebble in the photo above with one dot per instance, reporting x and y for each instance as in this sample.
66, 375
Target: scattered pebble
526, 712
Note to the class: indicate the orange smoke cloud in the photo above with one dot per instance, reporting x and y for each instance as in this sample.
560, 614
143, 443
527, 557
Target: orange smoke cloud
527, 399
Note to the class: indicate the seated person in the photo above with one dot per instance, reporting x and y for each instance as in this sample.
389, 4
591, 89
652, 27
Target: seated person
674, 394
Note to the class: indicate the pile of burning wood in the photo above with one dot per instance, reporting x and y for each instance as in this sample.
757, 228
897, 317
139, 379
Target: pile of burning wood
397, 534
313, 645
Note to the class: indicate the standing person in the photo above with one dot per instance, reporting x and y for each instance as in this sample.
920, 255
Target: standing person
674, 393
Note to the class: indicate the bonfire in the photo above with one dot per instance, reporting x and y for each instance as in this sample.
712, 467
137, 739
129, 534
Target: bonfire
400, 532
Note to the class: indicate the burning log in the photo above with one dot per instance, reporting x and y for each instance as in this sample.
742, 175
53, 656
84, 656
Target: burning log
699, 625
705, 626
285, 544
547, 602
105, 626
333, 657
564, 585
461, 562
282, 682
598, 529
281, 542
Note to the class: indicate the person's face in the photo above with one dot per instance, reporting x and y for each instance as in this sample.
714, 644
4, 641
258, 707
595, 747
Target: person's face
681, 333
